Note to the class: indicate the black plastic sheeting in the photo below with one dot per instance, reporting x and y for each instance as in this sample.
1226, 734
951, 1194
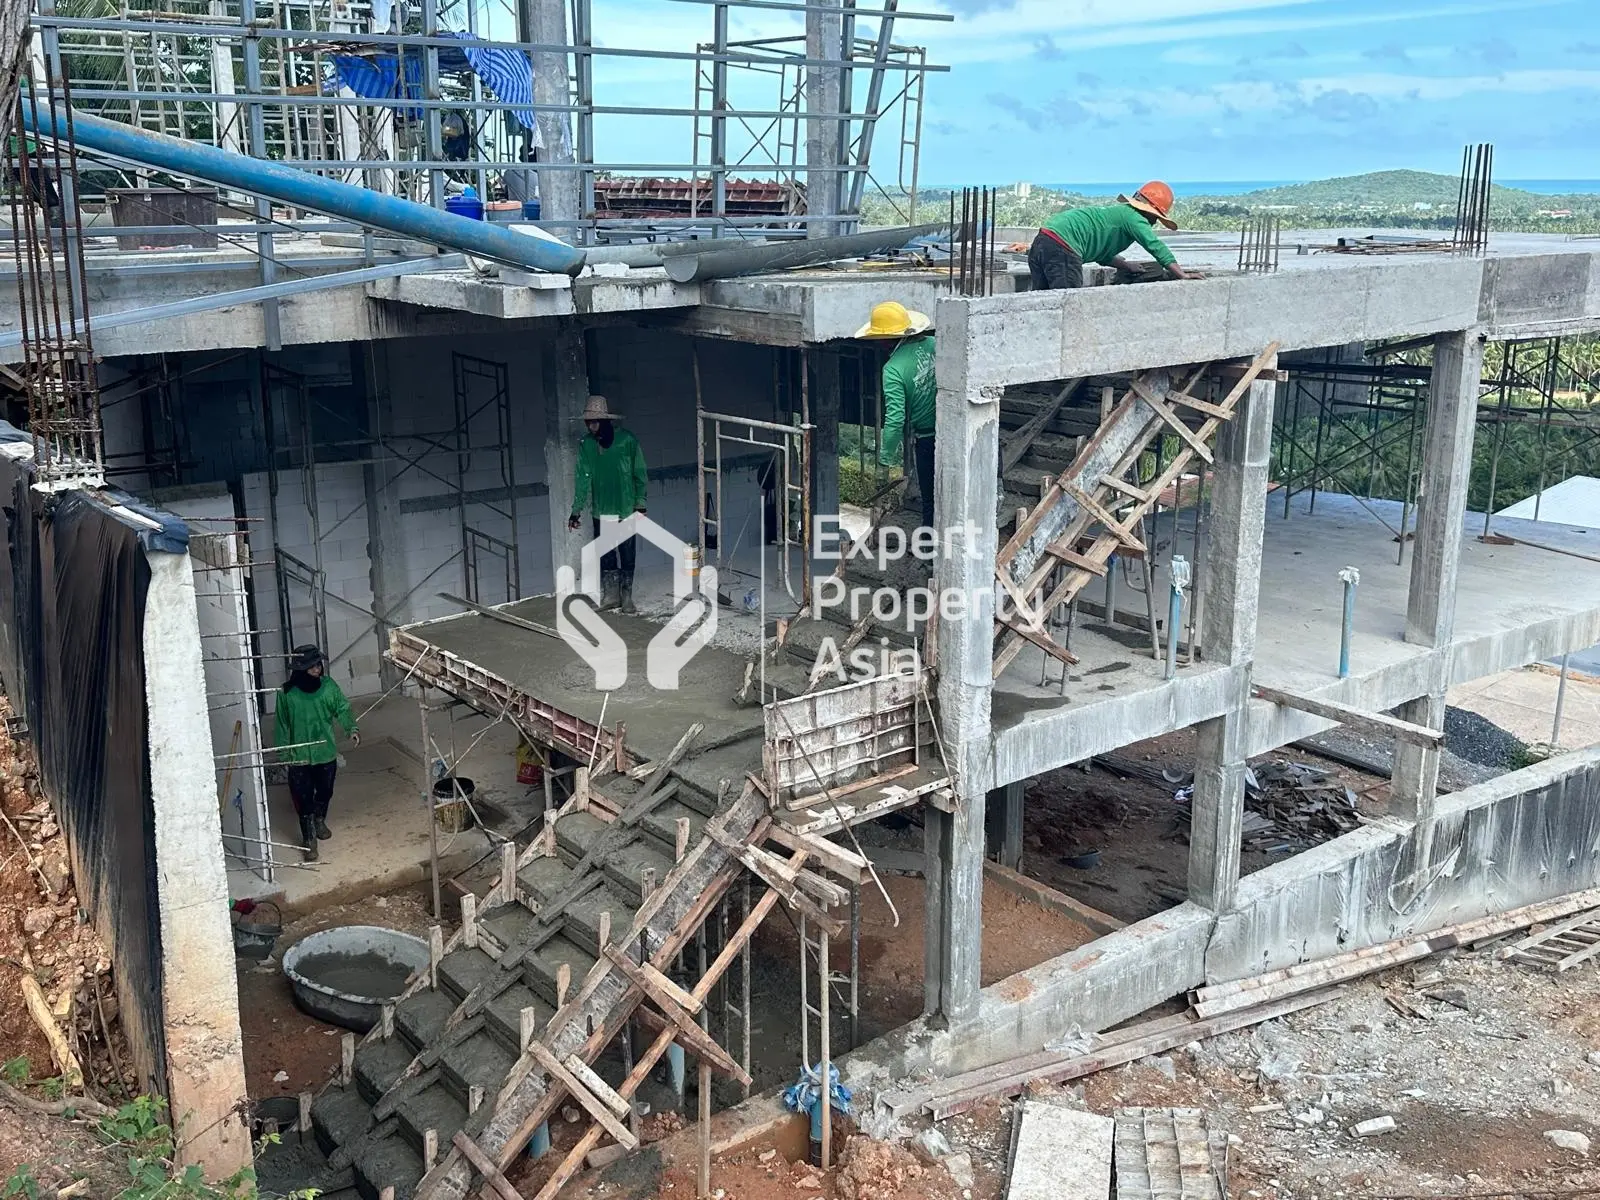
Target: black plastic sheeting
73, 582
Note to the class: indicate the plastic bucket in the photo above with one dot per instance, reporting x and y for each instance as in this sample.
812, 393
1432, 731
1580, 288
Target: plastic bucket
465, 206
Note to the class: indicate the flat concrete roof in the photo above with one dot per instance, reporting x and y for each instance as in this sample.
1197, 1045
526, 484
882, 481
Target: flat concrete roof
1514, 605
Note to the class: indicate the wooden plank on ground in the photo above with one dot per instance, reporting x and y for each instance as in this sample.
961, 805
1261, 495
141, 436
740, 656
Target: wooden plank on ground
1047, 897
961, 1093
1224, 997
1059, 1154
1378, 723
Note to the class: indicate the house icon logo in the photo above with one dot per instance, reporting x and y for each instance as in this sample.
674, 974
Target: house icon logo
581, 626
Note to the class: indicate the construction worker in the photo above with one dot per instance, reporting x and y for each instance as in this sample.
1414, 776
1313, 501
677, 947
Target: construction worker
308, 705
610, 469
1099, 234
910, 393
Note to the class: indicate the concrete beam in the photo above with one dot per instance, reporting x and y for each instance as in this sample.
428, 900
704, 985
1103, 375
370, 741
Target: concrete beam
1039, 336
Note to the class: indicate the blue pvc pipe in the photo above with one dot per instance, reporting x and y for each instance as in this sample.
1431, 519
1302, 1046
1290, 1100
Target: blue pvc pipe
289, 185
1347, 628
677, 1071
539, 1144
1174, 623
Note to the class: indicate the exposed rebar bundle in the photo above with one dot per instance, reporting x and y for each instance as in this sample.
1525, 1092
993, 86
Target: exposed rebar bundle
1259, 243
972, 246
58, 372
1472, 199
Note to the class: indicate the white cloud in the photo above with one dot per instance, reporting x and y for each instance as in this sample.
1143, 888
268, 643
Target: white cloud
1006, 36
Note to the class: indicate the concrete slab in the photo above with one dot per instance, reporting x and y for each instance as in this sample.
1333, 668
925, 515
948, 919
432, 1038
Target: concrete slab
1059, 1154
550, 669
1514, 605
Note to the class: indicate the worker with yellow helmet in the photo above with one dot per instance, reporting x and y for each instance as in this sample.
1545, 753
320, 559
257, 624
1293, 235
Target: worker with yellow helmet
910, 392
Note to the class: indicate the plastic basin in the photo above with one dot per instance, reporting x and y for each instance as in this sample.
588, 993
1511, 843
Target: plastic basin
346, 975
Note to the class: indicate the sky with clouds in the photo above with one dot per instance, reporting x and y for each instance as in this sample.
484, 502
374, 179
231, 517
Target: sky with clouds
1089, 91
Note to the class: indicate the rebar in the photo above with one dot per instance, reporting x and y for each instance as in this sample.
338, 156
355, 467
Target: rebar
58, 368
1260, 240
1473, 197
972, 243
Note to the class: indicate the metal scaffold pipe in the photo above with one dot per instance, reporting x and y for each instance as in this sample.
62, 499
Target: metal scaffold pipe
289, 185
690, 266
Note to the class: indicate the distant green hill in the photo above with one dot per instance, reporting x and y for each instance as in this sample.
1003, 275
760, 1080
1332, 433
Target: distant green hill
1382, 189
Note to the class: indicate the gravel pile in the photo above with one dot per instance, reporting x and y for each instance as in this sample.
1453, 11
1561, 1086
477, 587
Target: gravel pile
1479, 740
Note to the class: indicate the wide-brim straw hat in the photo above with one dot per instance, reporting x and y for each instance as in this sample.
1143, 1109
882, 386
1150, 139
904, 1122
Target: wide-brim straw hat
597, 409
892, 319
1144, 206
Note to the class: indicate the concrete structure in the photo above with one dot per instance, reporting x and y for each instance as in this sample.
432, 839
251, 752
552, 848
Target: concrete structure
413, 444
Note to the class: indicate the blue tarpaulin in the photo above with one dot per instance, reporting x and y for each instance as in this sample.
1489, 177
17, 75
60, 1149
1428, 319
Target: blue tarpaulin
506, 73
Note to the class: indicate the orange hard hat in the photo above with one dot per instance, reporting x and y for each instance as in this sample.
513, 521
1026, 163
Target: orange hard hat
1154, 198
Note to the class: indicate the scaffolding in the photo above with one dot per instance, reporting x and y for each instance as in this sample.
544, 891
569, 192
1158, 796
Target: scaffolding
1353, 424
406, 104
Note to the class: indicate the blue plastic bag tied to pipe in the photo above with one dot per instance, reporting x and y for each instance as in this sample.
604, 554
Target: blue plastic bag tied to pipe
801, 1096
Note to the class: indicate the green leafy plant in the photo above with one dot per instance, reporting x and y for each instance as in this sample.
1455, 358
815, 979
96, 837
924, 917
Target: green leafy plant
21, 1182
15, 1071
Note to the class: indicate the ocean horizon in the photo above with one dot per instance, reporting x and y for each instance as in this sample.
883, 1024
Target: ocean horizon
1236, 187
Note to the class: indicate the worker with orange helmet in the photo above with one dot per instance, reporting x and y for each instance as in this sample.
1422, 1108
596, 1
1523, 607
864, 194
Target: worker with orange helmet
1099, 234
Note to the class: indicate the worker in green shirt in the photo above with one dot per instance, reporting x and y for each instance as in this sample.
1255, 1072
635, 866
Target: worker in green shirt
910, 392
612, 473
1100, 234
308, 705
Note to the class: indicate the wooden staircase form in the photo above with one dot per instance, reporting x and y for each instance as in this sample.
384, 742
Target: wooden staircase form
453, 1077
1091, 511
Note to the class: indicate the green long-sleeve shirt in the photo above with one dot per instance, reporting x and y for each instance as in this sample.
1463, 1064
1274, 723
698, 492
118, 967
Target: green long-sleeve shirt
910, 398
309, 717
1102, 232
614, 475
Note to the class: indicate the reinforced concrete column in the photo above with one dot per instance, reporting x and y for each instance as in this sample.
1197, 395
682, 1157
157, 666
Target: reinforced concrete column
552, 89
1005, 824
1228, 633
566, 387
824, 31
199, 988
825, 403
968, 443
1436, 556
385, 538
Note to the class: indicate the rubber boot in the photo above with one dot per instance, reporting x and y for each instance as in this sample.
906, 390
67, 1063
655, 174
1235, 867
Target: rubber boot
610, 590
627, 593
323, 832
308, 835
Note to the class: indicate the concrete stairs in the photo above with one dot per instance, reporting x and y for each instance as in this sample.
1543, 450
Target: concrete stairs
449, 1056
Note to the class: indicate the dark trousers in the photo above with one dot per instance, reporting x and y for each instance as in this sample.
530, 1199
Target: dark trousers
311, 788
620, 559
923, 452
1053, 265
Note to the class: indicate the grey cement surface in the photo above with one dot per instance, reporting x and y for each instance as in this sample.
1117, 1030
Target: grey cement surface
1514, 605
546, 667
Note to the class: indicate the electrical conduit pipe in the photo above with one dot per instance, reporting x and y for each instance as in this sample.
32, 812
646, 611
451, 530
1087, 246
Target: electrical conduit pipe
289, 185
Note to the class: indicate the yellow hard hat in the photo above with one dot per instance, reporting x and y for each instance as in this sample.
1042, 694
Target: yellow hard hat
891, 319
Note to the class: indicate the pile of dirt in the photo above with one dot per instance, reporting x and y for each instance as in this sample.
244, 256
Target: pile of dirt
873, 1170
44, 938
